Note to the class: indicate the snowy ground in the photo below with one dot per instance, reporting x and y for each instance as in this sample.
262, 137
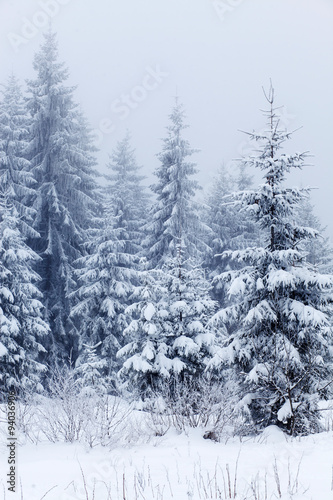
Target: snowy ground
176, 466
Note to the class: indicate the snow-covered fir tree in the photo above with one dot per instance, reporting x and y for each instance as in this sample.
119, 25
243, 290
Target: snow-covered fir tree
106, 280
62, 164
16, 178
318, 250
145, 352
230, 229
126, 195
220, 214
280, 338
170, 336
191, 338
22, 329
88, 373
174, 216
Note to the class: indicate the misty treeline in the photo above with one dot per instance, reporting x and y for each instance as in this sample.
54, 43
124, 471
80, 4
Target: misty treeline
151, 294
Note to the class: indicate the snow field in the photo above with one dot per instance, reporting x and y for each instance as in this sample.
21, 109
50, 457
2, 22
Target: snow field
180, 466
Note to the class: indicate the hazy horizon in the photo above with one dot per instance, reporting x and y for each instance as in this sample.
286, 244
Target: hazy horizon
130, 59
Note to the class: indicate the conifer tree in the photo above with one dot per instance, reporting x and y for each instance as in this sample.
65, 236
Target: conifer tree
174, 216
66, 206
191, 337
230, 229
318, 250
144, 356
107, 277
89, 371
169, 337
16, 179
106, 280
22, 328
280, 338
127, 195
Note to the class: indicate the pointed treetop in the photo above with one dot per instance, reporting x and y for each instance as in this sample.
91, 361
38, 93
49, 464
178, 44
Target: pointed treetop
177, 117
270, 142
45, 60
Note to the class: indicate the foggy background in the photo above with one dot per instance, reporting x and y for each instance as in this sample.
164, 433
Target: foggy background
129, 58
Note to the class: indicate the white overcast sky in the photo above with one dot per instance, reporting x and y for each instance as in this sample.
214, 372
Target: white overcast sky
216, 55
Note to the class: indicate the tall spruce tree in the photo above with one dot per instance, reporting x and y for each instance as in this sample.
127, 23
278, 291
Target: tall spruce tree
107, 277
16, 179
106, 280
127, 195
230, 229
280, 336
220, 215
174, 216
62, 165
22, 328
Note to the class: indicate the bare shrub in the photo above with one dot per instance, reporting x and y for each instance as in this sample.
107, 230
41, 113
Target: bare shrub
63, 415
106, 422
70, 414
192, 403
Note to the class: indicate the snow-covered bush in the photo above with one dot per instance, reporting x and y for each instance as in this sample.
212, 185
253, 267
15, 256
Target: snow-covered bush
194, 403
63, 415
69, 414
